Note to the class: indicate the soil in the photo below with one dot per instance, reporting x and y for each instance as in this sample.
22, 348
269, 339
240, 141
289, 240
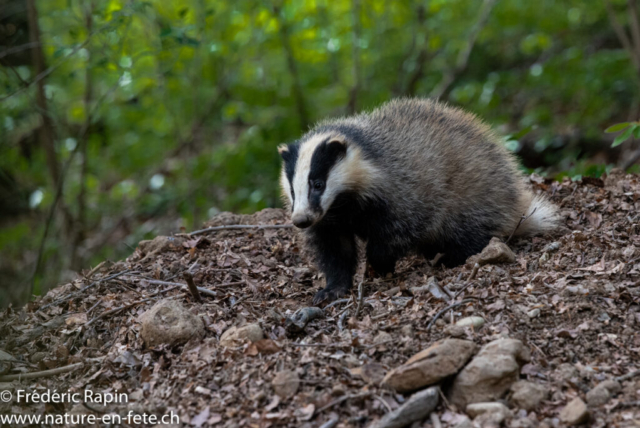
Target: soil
573, 299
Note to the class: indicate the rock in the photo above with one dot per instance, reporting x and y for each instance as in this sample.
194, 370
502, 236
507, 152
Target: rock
490, 374
407, 330
475, 322
169, 322
552, 247
575, 413
416, 408
236, 336
454, 330
465, 422
431, 365
286, 383
602, 393
488, 413
494, 253
527, 395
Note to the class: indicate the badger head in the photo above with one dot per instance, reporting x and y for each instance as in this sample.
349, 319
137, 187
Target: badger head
318, 169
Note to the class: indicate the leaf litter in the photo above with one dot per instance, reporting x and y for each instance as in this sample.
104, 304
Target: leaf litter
573, 299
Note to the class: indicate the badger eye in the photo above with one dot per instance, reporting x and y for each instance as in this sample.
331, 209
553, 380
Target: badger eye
317, 185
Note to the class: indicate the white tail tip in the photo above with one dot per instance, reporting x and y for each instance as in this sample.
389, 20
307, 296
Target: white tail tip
542, 217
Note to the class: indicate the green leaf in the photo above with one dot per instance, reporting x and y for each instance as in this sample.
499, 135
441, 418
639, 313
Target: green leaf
636, 131
617, 127
622, 137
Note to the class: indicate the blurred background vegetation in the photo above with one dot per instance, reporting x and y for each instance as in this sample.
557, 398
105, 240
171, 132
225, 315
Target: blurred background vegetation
124, 119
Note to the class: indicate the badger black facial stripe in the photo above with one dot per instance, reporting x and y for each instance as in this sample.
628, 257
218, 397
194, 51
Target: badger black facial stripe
290, 158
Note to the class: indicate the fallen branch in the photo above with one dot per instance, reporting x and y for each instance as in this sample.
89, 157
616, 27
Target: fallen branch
236, 226
332, 422
341, 320
44, 373
451, 306
130, 305
192, 286
416, 408
200, 289
360, 299
77, 293
342, 399
337, 302
628, 376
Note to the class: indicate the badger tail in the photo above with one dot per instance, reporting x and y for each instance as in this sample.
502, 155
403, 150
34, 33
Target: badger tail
541, 216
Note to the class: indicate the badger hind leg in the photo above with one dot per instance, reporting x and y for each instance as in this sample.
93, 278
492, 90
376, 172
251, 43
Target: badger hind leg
337, 257
382, 258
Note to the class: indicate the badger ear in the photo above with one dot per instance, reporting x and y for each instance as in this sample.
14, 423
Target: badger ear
337, 148
283, 149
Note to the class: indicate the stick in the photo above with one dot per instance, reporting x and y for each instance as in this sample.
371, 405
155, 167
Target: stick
192, 286
76, 293
337, 302
130, 305
463, 288
360, 299
200, 289
44, 373
474, 272
341, 399
332, 422
341, 320
451, 306
236, 226
522, 220
628, 376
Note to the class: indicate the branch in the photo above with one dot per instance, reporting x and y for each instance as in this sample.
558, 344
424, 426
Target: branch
20, 48
463, 57
293, 70
635, 26
355, 52
622, 35
423, 54
236, 226
44, 373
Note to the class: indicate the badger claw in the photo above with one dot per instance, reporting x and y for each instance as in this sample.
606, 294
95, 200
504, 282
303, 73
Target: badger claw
328, 295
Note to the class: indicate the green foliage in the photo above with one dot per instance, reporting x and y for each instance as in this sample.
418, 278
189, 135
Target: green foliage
188, 100
627, 128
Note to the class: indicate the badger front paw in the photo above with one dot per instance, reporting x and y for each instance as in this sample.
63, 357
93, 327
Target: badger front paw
329, 294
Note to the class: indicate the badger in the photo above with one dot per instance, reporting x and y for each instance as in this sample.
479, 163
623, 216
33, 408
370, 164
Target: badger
412, 176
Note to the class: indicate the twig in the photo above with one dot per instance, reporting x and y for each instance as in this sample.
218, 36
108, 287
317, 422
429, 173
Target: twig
130, 305
522, 220
451, 306
463, 57
44, 373
342, 399
236, 226
341, 320
332, 422
299, 320
192, 286
435, 421
200, 289
463, 288
360, 299
474, 272
82, 290
628, 376
337, 302
384, 403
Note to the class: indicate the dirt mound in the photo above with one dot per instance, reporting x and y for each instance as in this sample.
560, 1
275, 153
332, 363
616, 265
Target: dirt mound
573, 300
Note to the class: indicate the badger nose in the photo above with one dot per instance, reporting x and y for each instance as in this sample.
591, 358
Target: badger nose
302, 221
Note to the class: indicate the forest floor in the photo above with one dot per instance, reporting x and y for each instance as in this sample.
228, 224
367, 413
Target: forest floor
573, 300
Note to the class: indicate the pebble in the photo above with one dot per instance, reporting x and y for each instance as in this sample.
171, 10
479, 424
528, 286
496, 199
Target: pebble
236, 336
602, 393
475, 322
552, 247
575, 413
286, 383
489, 413
527, 395
534, 313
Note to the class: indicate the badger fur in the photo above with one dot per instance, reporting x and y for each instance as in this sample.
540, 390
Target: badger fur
413, 176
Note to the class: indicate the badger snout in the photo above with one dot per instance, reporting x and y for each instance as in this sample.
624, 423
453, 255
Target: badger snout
302, 221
